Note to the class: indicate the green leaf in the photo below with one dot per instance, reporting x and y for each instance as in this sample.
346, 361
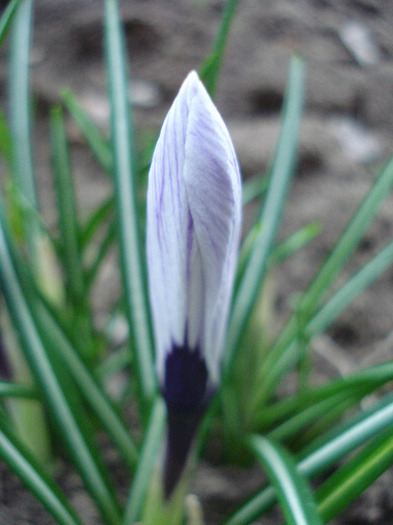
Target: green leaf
5, 138
117, 361
97, 218
294, 243
131, 247
299, 421
347, 436
279, 253
8, 389
331, 310
148, 460
254, 187
19, 115
91, 391
6, 18
347, 293
68, 221
106, 243
363, 381
283, 354
211, 67
55, 383
254, 508
98, 144
282, 170
293, 492
19, 459
69, 235
347, 483
324, 452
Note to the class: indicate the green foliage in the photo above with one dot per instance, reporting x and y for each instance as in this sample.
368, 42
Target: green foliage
131, 246
48, 278
292, 489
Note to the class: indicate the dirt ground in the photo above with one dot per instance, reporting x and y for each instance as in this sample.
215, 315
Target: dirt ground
347, 134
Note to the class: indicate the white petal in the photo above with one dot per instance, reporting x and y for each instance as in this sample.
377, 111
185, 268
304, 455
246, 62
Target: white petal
212, 178
167, 223
193, 227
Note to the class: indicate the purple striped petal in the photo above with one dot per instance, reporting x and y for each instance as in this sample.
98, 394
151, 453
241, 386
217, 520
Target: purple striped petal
193, 229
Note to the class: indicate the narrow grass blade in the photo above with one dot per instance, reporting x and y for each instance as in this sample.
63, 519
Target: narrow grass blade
254, 188
8, 389
293, 493
363, 381
298, 422
347, 436
106, 244
98, 144
19, 115
294, 243
211, 68
55, 385
279, 253
324, 452
347, 483
281, 356
5, 138
6, 19
147, 462
116, 362
248, 245
327, 420
347, 293
97, 218
254, 508
282, 170
15, 454
91, 391
350, 238
131, 247
68, 221
327, 315
69, 235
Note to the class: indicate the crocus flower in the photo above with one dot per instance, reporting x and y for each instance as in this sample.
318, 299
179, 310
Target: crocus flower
193, 229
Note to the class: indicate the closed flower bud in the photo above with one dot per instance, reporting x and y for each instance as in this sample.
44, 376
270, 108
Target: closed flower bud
193, 230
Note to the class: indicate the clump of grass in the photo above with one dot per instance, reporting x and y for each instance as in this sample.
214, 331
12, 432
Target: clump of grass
47, 282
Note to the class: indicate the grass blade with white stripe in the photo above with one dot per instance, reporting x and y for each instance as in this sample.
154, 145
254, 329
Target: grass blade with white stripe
328, 313
282, 356
75, 283
54, 382
68, 221
91, 391
281, 173
365, 380
19, 459
131, 247
293, 492
324, 452
347, 483
19, 116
